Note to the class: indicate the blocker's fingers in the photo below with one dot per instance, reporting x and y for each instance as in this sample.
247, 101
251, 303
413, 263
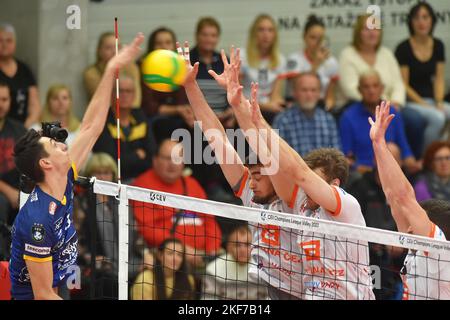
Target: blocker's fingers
179, 49
187, 55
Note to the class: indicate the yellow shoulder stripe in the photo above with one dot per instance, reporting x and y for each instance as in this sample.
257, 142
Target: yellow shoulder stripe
34, 259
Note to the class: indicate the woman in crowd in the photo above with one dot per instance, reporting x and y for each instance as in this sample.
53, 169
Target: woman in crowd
105, 51
59, 107
435, 182
168, 278
168, 110
422, 63
316, 57
262, 62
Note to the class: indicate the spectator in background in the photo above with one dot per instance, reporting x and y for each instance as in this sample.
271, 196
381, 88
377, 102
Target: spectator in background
304, 126
367, 52
59, 107
354, 127
168, 278
263, 63
316, 57
207, 36
105, 236
368, 191
210, 63
10, 131
168, 110
435, 182
17, 75
227, 276
135, 137
200, 233
422, 61
106, 49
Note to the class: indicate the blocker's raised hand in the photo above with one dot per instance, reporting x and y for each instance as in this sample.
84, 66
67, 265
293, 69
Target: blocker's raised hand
192, 70
128, 53
382, 121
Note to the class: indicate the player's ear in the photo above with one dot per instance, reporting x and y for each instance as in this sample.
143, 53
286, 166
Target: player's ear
45, 163
336, 182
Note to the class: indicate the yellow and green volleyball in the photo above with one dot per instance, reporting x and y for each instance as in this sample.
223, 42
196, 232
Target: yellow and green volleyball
163, 70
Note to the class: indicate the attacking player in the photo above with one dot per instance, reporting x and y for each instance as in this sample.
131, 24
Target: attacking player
333, 267
275, 260
425, 275
44, 240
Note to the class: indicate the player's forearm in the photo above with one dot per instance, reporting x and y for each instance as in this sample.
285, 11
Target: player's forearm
97, 110
439, 89
202, 111
394, 182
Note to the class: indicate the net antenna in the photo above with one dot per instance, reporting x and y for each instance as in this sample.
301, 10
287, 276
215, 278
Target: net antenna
116, 34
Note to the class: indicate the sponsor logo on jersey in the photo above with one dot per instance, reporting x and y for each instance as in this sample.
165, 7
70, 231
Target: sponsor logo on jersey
52, 208
38, 233
58, 223
42, 251
24, 276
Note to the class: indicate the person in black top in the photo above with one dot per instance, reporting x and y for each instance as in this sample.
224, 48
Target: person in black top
422, 62
17, 75
10, 131
135, 136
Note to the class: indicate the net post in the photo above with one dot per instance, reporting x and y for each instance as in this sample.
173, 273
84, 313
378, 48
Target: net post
123, 243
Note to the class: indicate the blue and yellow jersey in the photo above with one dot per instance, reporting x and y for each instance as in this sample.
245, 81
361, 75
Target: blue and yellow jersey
43, 231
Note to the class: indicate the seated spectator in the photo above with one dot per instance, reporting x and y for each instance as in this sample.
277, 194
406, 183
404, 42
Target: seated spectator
104, 211
263, 63
304, 126
135, 136
316, 57
377, 214
10, 131
368, 53
354, 127
207, 36
168, 110
168, 278
58, 107
227, 276
200, 233
422, 62
25, 106
435, 182
92, 75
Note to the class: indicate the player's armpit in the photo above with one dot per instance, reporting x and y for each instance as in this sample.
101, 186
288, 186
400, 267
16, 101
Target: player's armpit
41, 275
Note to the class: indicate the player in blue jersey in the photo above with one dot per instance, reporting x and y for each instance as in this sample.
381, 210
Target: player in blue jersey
44, 240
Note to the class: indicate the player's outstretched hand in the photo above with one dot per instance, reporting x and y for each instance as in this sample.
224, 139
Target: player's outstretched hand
257, 116
382, 121
192, 70
235, 63
128, 53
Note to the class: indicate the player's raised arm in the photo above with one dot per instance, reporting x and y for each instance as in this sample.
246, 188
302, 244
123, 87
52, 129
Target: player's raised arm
283, 185
95, 117
292, 165
399, 192
229, 161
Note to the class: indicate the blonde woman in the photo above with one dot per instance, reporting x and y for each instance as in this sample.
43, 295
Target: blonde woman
262, 62
58, 107
105, 51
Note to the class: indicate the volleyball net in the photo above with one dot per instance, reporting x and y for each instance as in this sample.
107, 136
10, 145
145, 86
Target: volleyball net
227, 251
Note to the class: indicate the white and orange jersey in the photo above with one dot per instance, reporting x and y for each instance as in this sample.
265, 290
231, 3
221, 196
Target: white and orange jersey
426, 275
276, 258
335, 267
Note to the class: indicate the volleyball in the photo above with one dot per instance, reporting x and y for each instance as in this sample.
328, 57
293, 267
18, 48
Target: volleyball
163, 70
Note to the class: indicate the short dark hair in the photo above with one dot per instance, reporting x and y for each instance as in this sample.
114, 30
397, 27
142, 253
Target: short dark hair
152, 37
439, 213
331, 161
249, 163
312, 21
4, 85
415, 10
207, 21
27, 153
297, 78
